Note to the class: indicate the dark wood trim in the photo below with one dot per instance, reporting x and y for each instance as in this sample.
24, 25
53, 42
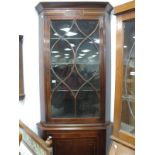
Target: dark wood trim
74, 13
35, 137
21, 76
54, 127
42, 6
129, 6
102, 70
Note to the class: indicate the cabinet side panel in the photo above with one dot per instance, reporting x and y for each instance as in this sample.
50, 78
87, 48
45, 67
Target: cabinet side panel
108, 75
108, 65
41, 67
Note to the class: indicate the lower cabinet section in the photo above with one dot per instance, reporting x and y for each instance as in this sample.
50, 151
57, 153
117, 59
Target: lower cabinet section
77, 141
75, 146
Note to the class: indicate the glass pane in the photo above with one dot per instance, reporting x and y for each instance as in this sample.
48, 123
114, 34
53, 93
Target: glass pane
74, 68
74, 33
61, 71
62, 104
74, 81
87, 104
87, 71
128, 94
61, 52
84, 28
55, 81
95, 82
60, 27
87, 51
87, 87
74, 43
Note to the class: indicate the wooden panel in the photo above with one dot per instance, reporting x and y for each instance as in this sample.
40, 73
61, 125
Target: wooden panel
45, 6
76, 147
78, 142
74, 12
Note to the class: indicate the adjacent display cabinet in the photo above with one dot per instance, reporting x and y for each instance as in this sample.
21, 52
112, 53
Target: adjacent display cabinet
75, 75
124, 116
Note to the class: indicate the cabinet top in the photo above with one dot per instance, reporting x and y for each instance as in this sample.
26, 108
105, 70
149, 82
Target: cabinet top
129, 6
42, 6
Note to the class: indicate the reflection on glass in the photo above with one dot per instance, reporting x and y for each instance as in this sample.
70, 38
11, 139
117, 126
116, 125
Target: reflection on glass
128, 94
87, 71
61, 52
62, 104
74, 81
87, 104
75, 68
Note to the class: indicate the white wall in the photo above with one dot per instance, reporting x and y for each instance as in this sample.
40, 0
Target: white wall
29, 109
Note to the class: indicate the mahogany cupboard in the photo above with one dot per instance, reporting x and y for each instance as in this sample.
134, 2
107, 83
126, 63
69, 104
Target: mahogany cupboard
124, 114
75, 75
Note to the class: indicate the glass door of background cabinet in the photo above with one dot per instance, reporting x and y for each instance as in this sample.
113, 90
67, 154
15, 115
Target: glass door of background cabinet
124, 114
128, 92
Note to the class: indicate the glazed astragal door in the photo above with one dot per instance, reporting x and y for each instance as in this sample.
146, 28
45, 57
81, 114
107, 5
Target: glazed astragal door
75, 59
124, 119
128, 88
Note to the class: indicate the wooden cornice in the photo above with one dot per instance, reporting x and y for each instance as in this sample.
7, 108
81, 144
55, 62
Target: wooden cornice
52, 5
124, 7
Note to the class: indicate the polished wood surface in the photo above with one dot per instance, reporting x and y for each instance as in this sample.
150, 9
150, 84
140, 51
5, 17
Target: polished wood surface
79, 140
119, 134
79, 127
71, 136
129, 6
77, 146
47, 6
